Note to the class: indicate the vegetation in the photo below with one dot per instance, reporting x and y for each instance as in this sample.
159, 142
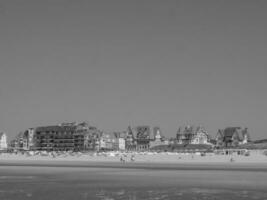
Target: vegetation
260, 141
253, 146
182, 147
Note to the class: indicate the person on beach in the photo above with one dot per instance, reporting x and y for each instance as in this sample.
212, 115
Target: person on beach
122, 159
132, 158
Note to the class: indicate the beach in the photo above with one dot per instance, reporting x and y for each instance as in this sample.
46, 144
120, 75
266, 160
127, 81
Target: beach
108, 181
150, 176
255, 157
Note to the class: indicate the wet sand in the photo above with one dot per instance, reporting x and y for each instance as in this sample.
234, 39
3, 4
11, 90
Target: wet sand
106, 180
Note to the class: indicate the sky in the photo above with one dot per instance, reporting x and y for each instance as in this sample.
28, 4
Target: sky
118, 63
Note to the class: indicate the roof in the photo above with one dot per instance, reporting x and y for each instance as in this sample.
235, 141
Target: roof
201, 129
1, 134
20, 135
130, 132
56, 128
142, 132
230, 131
109, 135
219, 133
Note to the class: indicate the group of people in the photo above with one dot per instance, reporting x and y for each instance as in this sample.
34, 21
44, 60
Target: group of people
123, 158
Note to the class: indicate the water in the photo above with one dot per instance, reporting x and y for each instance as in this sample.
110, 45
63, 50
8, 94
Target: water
41, 183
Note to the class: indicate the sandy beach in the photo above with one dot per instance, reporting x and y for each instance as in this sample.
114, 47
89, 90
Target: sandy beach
67, 180
150, 176
255, 159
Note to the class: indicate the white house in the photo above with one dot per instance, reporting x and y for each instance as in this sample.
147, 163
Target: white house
3, 141
121, 143
191, 135
201, 136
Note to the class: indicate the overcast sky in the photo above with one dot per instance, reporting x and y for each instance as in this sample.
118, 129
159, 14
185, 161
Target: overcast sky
118, 63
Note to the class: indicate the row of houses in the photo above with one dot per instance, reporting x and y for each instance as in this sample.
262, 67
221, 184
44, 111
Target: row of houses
83, 137
228, 137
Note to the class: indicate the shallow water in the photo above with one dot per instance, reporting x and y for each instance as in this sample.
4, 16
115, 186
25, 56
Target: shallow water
40, 183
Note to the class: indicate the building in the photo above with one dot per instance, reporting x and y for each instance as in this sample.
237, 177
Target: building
245, 136
55, 138
108, 141
201, 136
3, 141
13, 144
66, 137
142, 138
191, 135
91, 140
232, 137
121, 141
29, 139
85, 137
185, 136
158, 138
24, 140
157, 135
21, 141
130, 142
81, 135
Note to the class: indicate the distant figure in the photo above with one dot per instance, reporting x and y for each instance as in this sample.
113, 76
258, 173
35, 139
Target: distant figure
122, 159
132, 158
232, 159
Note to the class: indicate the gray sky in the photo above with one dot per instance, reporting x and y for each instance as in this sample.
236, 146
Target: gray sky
119, 63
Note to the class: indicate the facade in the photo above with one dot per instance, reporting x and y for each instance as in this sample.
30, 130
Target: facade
158, 139
157, 135
3, 141
24, 140
85, 137
108, 141
245, 136
29, 139
21, 141
232, 137
13, 144
130, 142
66, 137
55, 138
80, 137
191, 135
121, 142
142, 138
201, 136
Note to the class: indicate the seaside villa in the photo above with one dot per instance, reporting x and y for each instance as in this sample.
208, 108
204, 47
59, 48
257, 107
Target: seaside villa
232, 137
191, 135
142, 138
